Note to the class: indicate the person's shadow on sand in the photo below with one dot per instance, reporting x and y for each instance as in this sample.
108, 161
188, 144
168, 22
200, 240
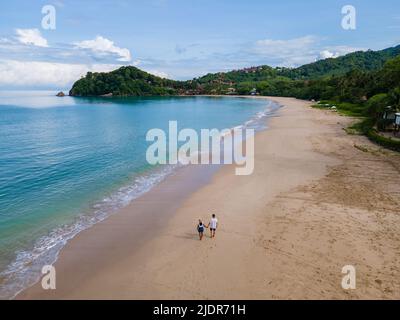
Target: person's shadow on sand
188, 236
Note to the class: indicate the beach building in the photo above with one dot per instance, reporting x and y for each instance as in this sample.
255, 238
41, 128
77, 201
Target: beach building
397, 122
389, 114
391, 119
397, 118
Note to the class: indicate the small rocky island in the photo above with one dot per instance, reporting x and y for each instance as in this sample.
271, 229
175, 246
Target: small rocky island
60, 94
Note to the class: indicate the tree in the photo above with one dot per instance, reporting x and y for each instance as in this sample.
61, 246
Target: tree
377, 104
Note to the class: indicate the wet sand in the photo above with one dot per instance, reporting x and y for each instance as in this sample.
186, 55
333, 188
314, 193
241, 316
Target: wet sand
318, 199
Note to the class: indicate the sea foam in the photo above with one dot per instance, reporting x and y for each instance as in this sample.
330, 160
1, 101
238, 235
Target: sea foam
25, 270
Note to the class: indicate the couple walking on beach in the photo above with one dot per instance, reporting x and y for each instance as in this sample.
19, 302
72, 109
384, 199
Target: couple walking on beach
212, 225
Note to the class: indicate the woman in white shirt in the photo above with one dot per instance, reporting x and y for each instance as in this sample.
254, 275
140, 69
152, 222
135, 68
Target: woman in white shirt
213, 225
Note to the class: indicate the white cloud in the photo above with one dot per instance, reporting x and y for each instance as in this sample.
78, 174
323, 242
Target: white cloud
334, 52
58, 3
298, 51
271, 45
54, 67
31, 37
326, 54
5, 41
291, 52
136, 63
158, 73
342, 50
45, 74
103, 46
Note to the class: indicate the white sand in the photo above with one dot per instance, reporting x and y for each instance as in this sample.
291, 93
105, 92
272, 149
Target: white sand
314, 204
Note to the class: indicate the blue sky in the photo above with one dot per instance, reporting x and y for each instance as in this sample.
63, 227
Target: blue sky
181, 39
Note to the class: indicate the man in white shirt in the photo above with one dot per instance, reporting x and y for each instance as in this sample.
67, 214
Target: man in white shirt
213, 225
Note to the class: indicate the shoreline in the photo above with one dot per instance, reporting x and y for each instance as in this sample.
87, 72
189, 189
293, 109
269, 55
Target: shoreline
190, 177
262, 250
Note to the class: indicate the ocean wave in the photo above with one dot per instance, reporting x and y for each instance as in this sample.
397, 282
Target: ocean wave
25, 270
258, 121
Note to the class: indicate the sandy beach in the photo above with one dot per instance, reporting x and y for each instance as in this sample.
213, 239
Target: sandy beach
319, 199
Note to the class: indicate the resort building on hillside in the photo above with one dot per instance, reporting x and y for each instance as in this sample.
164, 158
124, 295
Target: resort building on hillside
231, 91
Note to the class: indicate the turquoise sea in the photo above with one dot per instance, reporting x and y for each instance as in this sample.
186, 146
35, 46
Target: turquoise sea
67, 163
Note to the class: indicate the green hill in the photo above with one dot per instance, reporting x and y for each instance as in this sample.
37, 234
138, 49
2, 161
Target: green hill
360, 60
130, 81
318, 80
125, 81
359, 84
